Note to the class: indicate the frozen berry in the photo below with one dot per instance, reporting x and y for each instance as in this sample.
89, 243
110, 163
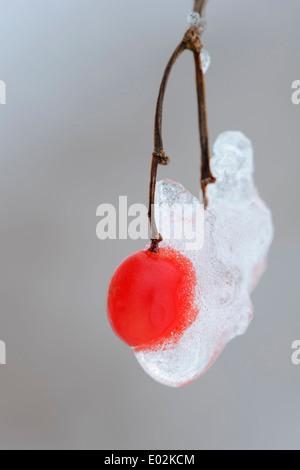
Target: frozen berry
151, 297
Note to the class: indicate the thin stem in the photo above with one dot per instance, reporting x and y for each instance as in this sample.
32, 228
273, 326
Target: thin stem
156, 237
159, 157
192, 42
200, 7
206, 174
158, 142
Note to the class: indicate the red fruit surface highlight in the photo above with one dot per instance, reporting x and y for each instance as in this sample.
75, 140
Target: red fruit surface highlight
151, 297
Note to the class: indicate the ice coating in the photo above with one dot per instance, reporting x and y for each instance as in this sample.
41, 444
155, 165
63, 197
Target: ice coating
205, 60
238, 232
194, 19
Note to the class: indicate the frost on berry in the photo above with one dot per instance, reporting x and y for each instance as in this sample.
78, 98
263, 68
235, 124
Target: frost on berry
238, 232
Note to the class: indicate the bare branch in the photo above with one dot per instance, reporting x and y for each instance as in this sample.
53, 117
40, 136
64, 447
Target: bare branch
159, 156
200, 7
206, 174
158, 142
192, 42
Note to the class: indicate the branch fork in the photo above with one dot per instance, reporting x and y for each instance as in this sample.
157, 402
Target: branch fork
191, 41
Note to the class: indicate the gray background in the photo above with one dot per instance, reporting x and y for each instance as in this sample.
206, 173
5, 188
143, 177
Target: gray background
82, 78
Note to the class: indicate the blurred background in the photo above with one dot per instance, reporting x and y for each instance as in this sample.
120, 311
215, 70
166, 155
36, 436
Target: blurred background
82, 78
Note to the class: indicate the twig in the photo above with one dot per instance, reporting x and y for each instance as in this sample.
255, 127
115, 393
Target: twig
200, 7
192, 42
158, 142
159, 156
206, 174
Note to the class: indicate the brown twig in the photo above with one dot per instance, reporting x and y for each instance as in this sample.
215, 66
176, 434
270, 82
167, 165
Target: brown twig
206, 174
159, 156
200, 7
158, 142
192, 42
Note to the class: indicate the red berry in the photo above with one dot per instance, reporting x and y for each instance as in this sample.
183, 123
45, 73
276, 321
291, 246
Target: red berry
151, 297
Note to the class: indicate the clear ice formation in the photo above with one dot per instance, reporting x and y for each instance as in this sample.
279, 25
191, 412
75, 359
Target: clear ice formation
205, 60
238, 232
194, 19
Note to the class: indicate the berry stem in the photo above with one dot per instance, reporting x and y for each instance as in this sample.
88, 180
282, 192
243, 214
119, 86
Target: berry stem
200, 7
206, 174
192, 42
159, 156
158, 141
